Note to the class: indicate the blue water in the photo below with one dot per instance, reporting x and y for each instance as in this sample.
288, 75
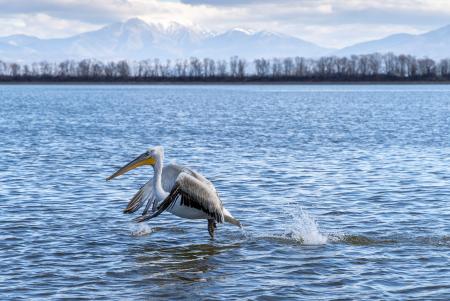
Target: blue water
343, 192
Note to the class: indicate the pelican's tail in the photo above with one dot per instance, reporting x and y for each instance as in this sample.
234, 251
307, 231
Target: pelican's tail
230, 219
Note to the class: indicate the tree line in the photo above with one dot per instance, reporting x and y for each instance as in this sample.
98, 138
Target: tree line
371, 67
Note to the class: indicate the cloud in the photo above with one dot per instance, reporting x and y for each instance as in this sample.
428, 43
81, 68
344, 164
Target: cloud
221, 2
105, 11
332, 23
86, 11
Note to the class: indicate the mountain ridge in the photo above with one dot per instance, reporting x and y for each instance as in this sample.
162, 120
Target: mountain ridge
434, 44
135, 39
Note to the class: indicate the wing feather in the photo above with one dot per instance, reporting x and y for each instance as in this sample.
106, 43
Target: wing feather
144, 194
194, 194
169, 177
171, 172
164, 205
199, 195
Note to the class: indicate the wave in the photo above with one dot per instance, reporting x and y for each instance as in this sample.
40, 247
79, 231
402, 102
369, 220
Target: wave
358, 240
302, 228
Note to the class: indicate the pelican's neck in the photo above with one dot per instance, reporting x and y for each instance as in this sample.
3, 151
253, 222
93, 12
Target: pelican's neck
157, 186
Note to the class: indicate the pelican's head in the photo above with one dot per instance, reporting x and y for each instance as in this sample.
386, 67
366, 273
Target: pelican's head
153, 156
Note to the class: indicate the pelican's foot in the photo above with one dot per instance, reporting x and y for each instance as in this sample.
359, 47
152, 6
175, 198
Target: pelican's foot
211, 227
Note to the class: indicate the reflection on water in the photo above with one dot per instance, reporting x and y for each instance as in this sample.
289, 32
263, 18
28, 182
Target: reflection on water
340, 189
186, 263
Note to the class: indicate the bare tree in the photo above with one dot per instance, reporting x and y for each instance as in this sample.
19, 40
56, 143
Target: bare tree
262, 67
221, 68
288, 67
123, 69
195, 67
98, 69
277, 68
427, 68
234, 66
444, 68
15, 69
242, 64
374, 64
301, 68
375, 67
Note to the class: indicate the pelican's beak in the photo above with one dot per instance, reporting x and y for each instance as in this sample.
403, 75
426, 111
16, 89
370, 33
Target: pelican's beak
144, 159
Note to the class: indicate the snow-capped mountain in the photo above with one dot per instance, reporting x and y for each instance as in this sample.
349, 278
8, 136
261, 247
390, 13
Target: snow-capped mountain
133, 39
251, 44
434, 44
136, 39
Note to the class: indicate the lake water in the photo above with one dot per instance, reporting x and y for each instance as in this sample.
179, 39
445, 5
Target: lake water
343, 192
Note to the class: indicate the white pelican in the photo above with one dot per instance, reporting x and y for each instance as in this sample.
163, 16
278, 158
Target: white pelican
179, 190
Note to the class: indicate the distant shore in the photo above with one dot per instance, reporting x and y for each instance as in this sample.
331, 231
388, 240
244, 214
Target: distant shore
226, 83
356, 69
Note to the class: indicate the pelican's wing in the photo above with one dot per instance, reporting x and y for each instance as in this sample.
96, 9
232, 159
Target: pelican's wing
144, 194
169, 176
194, 194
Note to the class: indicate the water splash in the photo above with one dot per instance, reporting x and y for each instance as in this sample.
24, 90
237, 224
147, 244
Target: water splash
304, 228
141, 229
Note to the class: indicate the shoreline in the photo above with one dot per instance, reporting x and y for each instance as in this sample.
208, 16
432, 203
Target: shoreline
224, 83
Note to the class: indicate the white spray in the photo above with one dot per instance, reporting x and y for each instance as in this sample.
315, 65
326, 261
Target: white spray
304, 228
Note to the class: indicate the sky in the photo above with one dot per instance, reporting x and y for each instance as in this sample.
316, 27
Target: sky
329, 23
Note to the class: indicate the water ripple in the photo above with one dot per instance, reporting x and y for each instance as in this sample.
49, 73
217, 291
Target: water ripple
340, 189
